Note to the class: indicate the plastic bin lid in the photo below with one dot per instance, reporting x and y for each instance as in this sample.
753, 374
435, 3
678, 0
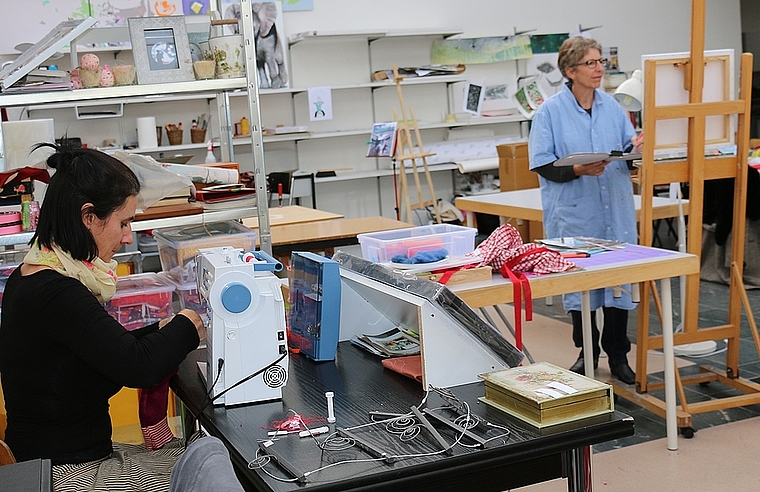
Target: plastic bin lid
190, 233
141, 283
178, 285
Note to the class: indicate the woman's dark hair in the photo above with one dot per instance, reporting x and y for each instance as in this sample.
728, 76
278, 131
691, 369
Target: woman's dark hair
82, 176
573, 50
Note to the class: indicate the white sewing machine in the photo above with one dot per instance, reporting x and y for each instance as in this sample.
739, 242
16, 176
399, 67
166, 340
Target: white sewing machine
245, 323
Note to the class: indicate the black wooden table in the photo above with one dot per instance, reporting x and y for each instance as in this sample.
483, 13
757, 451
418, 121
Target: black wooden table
361, 385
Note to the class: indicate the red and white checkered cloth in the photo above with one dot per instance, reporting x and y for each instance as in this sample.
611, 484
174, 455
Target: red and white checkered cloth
505, 244
504, 250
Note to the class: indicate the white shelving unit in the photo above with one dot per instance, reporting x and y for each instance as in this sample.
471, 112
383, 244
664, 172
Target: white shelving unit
114, 104
343, 61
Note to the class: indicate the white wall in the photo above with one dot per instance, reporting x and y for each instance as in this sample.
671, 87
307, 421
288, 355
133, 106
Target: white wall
636, 28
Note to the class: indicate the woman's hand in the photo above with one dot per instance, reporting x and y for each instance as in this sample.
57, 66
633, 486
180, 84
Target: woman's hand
638, 142
593, 169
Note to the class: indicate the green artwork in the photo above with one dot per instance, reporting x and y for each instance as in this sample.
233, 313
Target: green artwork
480, 50
547, 43
291, 5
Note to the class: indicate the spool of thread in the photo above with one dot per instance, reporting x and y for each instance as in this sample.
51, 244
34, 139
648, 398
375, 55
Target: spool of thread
10, 223
330, 409
146, 132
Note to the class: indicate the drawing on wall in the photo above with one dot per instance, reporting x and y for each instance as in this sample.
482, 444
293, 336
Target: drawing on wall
293, 5
544, 68
480, 50
268, 34
320, 103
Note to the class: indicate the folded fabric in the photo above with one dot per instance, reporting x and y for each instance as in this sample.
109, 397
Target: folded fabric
409, 366
421, 257
153, 404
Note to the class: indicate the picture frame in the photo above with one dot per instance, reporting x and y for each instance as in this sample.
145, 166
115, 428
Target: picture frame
161, 49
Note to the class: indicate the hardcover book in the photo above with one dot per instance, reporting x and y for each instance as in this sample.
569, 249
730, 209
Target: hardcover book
543, 394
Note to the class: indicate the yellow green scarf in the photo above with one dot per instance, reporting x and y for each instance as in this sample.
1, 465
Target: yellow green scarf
98, 276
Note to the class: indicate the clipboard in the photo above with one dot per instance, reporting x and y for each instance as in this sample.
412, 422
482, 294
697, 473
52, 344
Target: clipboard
583, 158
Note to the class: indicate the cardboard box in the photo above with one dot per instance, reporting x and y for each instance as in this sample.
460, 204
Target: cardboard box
515, 174
514, 171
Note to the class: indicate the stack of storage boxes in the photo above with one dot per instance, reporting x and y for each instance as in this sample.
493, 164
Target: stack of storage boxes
178, 246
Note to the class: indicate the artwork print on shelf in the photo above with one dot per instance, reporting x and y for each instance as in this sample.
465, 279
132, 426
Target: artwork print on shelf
382, 142
473, 101
529, 98
269, 37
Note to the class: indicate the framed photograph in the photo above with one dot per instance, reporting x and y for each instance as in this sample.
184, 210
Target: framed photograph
161, 49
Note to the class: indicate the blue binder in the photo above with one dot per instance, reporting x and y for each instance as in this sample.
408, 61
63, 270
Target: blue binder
314, 314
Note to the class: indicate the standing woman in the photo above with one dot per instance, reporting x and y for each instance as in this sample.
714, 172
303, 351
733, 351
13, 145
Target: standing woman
593, 200
62, 356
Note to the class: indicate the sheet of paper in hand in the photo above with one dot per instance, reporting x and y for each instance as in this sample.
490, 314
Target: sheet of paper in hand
583, 158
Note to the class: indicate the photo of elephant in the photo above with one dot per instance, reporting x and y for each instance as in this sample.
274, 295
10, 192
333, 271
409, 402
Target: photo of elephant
270, 52
268, 32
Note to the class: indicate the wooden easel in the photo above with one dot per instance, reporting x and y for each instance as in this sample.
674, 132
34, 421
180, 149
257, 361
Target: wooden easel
407, 152
695, 170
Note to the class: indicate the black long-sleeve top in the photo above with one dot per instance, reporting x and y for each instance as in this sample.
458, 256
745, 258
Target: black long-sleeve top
62, 356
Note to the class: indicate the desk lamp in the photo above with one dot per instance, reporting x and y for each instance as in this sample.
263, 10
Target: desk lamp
630, 93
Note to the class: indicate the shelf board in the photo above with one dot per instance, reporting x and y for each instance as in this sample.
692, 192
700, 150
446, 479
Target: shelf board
290, 137
372, 35
202, 218
379, 173
153, 91
434, 79
170, 149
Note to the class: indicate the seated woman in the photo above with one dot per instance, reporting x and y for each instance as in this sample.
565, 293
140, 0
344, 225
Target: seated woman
62, 356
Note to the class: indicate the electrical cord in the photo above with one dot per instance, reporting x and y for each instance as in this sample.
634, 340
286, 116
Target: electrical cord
220, 364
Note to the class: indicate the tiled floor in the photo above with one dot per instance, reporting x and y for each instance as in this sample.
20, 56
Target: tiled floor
713, 304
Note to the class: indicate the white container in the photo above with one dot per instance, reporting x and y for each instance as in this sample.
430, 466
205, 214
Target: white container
187, 293
229, 54
380, 247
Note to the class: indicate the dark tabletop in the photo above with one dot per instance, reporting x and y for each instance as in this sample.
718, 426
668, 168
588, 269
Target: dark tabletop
361, 385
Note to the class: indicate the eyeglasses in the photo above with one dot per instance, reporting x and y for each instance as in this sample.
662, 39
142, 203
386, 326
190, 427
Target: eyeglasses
592, 63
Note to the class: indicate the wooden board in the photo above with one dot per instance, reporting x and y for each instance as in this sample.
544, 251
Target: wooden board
170, 211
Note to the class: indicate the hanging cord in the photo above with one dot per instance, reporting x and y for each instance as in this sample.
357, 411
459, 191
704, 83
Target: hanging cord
395, 191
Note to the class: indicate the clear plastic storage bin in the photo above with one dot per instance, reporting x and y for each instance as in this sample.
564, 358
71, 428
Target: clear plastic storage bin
141, 299
380, 247
178, 246
188, 295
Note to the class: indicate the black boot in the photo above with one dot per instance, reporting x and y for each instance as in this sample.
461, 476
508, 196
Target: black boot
623, 372
578, 367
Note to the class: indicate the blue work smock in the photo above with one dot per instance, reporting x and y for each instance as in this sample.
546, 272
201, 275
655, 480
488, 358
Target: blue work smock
592, 206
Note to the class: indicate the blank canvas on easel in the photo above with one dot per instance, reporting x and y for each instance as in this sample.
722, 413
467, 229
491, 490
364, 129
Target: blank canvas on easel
672, 135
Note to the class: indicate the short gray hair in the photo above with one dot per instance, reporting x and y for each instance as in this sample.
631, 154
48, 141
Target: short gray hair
573, 50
